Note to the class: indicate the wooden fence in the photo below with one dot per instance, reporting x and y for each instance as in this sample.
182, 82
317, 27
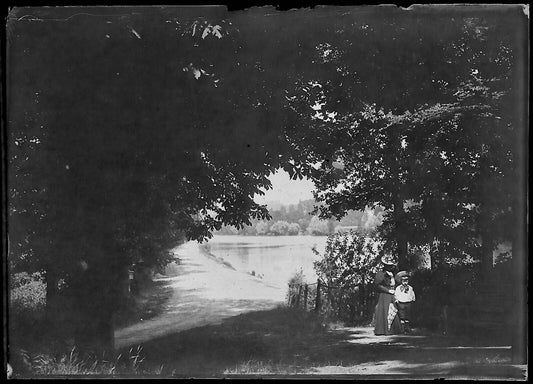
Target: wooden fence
352, 304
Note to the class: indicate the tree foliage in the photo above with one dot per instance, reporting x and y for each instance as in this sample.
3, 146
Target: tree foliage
128, 135
350, 259
129, 132
421, 122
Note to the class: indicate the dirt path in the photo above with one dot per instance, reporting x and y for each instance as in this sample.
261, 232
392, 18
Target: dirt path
286, 341
204, 292
219, 322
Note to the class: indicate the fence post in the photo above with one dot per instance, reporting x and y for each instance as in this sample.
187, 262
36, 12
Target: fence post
305, 296
317, 300
298, 297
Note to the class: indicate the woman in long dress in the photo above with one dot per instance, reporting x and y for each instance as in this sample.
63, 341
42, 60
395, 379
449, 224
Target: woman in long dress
386, 317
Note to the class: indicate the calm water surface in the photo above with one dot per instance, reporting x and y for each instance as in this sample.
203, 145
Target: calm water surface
277, 258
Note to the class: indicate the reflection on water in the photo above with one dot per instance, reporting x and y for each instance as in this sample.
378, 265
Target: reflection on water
275, 258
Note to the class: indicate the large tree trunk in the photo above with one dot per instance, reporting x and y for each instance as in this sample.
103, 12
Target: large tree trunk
54, 310
94, 328
52, 292
96, 297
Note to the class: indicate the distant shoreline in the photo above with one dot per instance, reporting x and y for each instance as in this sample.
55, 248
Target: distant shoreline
340, 229
267, 234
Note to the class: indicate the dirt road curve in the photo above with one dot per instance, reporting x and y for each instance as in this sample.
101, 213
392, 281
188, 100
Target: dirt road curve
204, 292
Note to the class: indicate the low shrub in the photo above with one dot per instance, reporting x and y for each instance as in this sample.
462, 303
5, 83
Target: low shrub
27, 292
451, 286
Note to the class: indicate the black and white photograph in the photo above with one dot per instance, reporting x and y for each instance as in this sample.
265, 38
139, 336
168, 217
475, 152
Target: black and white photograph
326, 191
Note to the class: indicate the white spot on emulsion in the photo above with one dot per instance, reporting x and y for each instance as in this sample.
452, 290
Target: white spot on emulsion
135, 33
317, 106
331, 115
197, 73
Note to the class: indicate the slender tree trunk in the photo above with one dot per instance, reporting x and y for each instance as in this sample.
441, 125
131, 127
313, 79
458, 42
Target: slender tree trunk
401, 238
398, 200
519, 305
433, 254
362, 297
487, 243
317, 300
487, 247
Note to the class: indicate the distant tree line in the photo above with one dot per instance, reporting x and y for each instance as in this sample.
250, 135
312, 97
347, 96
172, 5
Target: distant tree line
297, 219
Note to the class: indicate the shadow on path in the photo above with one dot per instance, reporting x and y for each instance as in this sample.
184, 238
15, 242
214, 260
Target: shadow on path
286, 341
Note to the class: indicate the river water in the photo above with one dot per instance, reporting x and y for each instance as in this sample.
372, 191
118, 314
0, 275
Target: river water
275, 258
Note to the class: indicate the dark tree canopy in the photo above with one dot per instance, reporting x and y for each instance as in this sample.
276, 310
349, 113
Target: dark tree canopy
131, 130
130, 133
422, 116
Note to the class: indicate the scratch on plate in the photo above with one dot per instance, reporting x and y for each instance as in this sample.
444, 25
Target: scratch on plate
36, 18
135, 33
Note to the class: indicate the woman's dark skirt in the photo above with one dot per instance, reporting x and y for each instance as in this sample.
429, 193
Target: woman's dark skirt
382, 311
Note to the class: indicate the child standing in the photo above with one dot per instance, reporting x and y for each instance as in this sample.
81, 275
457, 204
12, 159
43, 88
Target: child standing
404, 296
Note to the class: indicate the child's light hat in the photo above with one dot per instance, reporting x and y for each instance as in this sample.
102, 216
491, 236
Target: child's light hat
401, 274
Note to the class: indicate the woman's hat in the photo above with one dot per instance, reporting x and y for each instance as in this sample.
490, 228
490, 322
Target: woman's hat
401, 274
388, 260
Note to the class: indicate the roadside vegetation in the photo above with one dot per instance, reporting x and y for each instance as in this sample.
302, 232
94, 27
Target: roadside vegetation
36, 353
